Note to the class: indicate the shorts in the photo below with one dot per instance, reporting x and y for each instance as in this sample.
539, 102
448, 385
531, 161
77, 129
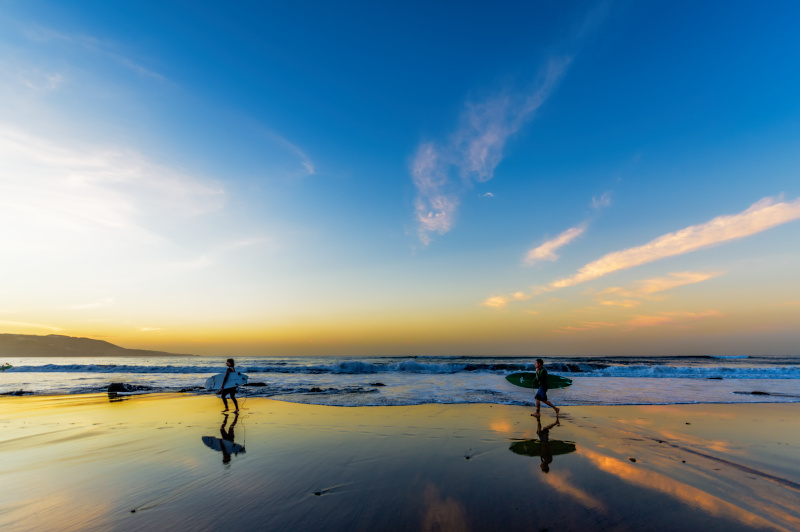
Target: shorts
541, 394
231, 391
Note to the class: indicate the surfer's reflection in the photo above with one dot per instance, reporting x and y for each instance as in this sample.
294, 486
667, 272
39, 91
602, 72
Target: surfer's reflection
544, 447
226, 444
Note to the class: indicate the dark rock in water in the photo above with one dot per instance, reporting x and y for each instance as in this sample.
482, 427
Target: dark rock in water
759, 393
18, 393
255, 384
315, 390
317, 493
192, 389
714, 378
632, 459
377, 384
122, 387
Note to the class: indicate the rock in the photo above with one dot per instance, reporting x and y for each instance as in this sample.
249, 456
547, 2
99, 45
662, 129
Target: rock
759, 393
714, 378
17, 393
315, 390
255, 384
377, 384
632, 459
122, 387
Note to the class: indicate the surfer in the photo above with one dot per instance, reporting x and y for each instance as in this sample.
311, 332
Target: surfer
546, 450
227, 435
541, 393
228, 391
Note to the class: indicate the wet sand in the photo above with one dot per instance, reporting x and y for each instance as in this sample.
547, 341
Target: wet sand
162, 462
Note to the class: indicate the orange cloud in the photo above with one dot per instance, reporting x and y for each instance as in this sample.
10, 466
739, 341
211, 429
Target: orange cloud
547, 250
761, 216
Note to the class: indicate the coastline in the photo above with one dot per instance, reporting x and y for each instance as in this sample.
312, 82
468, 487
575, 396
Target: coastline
85, 462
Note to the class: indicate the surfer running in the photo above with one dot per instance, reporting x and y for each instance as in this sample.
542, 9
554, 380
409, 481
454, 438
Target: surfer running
226, 391
541, 393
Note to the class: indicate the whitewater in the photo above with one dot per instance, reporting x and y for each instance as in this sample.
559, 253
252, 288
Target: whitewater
372, 381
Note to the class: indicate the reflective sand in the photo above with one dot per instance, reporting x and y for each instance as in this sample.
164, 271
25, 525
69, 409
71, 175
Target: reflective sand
171, 461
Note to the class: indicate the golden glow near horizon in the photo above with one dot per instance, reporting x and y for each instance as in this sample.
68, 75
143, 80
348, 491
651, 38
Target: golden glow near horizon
152, 208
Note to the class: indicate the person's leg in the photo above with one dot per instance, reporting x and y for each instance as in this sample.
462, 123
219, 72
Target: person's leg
551, 405
235, 403
538, 406
225, 401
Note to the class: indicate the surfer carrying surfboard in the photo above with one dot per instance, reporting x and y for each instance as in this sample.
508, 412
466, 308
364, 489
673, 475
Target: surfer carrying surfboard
541, 393
230, 390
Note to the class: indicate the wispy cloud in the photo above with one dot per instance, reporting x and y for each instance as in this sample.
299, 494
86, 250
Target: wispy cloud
78, 187
547, 250
599, 202
680, 319
105, 48
28, 325
442, 171
644, 289
762, 215
305, 160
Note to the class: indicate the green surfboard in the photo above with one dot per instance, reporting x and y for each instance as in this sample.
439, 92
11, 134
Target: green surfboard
534, 447
529, 380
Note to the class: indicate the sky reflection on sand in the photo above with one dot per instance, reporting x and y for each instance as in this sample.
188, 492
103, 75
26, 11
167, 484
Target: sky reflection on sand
141, 463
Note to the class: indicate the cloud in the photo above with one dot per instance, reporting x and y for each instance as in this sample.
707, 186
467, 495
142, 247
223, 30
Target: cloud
305, 160
762, 215
639, 321
502, 301
645, 289
82, 188
105, 48
487, 195
603, 201
28, 325
547, 250
473, 151
435, 205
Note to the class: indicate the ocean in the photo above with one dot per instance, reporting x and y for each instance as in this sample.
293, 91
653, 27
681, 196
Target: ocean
372, 381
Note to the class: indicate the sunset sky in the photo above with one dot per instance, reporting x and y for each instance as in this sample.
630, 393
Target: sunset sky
422, 178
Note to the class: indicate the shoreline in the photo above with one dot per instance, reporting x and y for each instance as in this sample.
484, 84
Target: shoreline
83, 462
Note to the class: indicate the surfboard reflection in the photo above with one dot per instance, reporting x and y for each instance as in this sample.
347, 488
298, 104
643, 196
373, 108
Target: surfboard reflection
543, 447
225, 444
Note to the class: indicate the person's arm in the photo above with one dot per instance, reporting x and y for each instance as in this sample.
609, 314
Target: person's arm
225, 379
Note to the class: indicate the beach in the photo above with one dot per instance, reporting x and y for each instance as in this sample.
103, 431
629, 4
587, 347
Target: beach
173, 461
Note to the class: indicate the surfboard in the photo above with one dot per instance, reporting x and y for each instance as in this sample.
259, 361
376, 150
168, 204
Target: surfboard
237, 378
534, 447
5, 367
218, 444
529, 380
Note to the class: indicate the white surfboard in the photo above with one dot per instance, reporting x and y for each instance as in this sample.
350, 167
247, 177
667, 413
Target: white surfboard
235, 379
218, 444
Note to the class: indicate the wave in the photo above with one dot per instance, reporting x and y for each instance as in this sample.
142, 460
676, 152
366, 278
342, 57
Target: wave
597, 369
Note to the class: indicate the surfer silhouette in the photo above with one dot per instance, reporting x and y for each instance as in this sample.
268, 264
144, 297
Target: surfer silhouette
547, 449
227, 435
228, 391
541, 393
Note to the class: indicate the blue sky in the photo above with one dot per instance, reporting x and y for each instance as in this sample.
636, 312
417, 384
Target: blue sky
410, 179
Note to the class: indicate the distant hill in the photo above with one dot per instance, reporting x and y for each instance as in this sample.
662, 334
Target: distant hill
56, 345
